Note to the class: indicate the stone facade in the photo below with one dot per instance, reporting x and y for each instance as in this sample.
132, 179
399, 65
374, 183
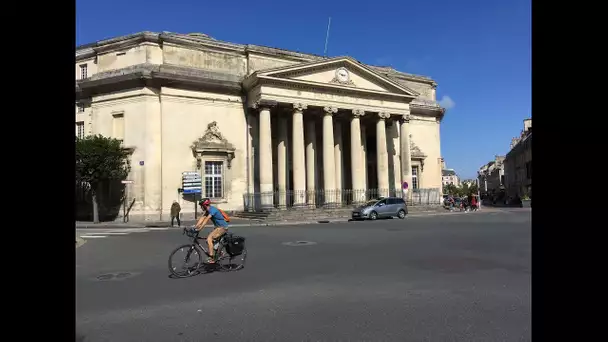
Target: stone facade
518, 164
491, 176
449, 176
255, 120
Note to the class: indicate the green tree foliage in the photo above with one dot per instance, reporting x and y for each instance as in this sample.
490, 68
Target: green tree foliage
462, 190
100, 159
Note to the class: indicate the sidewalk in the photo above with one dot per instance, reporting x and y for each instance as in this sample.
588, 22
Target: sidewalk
238, 222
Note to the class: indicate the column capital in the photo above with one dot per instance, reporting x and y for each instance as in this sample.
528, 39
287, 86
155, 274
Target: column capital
330, 110
263, 104
298, 107
384, 115
405, 118
358, 112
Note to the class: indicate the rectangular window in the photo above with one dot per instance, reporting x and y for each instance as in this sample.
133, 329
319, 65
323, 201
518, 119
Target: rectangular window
529, 170
83, 71
118, 125
214, 184
415, 178
81, 108
80, 129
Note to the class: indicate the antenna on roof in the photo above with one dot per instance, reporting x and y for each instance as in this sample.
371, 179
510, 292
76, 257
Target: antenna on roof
327, 37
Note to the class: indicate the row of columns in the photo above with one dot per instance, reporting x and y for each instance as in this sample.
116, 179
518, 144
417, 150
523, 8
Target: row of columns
304, 147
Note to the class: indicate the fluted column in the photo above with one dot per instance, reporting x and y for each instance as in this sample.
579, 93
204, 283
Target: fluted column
299, 161
406, 153
329, 166
396, 156
382, 154
311, 146
338, 159
364, 160
356, 155
282, 161
265, 158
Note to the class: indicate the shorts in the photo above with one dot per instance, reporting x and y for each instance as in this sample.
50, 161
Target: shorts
218, 232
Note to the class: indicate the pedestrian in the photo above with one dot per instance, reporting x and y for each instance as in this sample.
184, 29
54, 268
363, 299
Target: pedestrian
175, 209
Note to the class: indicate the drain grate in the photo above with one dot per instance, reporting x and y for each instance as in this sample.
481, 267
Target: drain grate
115, 276
299, 243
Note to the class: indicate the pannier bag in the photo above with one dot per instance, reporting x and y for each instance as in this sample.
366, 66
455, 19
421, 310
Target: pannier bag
236, 245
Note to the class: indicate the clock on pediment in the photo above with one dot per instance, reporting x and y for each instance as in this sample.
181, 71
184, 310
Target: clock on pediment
342, 76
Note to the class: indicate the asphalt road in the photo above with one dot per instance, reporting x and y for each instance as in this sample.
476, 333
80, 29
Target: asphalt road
461, 277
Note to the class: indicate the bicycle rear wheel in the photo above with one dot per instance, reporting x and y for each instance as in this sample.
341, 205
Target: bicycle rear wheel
229, 262
181, 256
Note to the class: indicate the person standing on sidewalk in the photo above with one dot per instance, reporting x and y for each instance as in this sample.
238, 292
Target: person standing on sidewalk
175, 209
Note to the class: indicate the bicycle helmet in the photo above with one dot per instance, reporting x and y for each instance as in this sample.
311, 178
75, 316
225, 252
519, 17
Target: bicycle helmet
204, 202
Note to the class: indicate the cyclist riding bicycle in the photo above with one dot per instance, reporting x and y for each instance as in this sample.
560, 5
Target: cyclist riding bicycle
219, 221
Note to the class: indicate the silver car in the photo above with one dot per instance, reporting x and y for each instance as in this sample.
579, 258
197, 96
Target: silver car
381, 207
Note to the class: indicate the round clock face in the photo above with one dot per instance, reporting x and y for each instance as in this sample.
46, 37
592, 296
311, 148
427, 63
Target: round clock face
342, 75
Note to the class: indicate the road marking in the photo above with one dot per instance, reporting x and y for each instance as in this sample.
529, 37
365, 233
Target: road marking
158, 228
93, 236
115, 233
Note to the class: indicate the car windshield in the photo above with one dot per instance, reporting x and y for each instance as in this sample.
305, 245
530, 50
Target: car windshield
372, 202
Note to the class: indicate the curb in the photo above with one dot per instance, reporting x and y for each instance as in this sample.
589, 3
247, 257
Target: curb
261, 224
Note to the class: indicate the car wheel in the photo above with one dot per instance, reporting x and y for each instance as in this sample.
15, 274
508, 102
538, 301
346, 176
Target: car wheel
401, 214
373, 215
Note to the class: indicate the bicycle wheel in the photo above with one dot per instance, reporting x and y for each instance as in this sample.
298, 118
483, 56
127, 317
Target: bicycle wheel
181, 256
229, 262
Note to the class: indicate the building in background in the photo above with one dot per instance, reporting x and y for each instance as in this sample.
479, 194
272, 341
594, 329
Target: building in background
263, 127
449, 176
491, 176
518, 164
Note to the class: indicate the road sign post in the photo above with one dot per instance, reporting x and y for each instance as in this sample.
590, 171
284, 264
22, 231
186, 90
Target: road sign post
192, 184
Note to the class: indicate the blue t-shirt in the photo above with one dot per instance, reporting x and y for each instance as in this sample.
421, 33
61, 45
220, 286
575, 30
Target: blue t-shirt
217, 218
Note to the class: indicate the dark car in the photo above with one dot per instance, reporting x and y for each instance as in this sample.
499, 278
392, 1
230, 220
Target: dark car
381, 207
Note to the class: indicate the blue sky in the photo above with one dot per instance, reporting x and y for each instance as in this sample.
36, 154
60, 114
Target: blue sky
478, 51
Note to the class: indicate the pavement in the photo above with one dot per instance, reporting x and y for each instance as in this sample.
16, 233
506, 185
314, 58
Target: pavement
458, 277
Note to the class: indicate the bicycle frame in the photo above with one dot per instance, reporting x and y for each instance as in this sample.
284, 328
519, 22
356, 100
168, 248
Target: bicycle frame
195, 242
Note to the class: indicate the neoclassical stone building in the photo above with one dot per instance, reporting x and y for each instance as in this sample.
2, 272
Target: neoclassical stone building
263, 126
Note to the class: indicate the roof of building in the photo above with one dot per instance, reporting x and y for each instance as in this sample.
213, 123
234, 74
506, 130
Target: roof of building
448, 172
202, 38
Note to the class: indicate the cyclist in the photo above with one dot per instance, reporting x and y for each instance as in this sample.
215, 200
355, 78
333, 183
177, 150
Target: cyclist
221, 226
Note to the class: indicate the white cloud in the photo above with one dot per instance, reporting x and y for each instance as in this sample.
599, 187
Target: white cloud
447, 102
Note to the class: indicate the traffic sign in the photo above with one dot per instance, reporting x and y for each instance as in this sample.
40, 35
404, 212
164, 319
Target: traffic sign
192, 182
405, 185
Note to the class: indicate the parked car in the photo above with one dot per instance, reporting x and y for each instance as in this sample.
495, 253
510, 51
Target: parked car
381, 207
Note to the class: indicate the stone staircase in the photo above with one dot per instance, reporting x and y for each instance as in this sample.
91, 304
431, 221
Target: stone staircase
318, 214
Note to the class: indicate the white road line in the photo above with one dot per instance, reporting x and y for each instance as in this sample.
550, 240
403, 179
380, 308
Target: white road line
93, 236
135, 230
115, 233
158, 228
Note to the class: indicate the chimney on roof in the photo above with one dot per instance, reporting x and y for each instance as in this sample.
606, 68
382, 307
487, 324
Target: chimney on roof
527, 124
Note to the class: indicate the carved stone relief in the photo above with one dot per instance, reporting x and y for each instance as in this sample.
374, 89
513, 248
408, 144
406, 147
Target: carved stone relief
213, 142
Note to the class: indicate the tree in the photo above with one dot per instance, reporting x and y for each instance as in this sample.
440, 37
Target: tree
98, 160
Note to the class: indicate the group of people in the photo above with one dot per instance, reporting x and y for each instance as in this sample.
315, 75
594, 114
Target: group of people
467, 203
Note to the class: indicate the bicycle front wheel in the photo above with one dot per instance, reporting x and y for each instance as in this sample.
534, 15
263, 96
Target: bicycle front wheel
185, 261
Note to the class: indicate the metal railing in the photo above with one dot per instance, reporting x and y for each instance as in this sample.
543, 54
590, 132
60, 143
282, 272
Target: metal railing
333, 199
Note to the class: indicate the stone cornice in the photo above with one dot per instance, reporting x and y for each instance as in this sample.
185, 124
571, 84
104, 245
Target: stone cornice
283, 54
161, 73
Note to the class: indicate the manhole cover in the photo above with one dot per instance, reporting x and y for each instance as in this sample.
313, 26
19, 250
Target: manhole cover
299, 243
115, 276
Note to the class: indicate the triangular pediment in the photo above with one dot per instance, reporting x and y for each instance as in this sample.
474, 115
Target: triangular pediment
343, 72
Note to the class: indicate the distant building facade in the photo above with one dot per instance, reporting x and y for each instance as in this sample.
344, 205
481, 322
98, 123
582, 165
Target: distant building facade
518, 163
449, 176
491, 176
263, 127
